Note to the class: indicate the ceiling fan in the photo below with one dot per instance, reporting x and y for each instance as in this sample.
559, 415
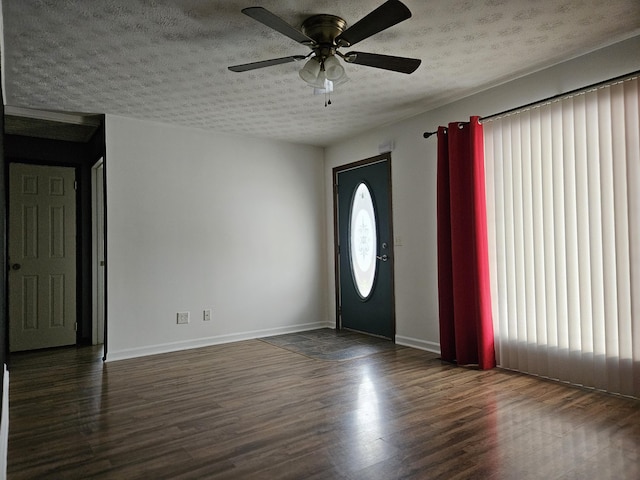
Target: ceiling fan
325, 34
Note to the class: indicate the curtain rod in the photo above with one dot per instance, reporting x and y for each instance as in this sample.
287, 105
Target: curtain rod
549, 99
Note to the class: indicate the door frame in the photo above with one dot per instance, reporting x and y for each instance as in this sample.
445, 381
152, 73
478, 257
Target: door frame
98, 245
336, 235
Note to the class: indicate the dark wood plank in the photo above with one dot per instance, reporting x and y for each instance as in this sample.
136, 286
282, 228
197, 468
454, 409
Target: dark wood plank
252, 410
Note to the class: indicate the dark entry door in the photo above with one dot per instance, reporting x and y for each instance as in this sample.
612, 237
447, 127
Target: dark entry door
365, 253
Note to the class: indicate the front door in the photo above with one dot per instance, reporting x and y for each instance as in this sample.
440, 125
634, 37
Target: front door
364, 247
42, 257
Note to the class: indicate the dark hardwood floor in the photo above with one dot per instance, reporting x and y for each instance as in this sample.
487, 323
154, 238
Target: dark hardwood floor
251, 410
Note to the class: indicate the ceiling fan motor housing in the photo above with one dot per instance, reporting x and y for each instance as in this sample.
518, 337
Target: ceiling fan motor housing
324, 29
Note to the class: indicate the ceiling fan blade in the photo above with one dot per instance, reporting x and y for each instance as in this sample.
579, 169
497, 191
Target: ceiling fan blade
271, 20
383, 17
386, 62
265, 63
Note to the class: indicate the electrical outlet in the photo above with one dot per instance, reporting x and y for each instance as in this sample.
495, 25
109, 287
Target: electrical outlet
206, 315
183, 317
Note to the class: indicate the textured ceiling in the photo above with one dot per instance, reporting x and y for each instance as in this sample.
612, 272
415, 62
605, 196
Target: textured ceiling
166, 60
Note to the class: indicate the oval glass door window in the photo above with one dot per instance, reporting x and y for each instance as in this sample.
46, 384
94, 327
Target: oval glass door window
362, 243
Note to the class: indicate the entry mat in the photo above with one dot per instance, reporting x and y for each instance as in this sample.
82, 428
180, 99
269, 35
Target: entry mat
329, 344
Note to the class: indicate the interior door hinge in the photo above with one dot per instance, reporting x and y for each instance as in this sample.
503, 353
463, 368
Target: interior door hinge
75, 185
76, 326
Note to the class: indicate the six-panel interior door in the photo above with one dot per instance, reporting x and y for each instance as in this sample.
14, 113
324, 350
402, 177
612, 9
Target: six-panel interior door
42, 257
365, 278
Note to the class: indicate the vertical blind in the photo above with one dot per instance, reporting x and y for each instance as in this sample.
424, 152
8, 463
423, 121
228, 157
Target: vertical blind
563, 208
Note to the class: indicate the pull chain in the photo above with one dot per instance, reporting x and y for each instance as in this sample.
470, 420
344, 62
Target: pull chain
327, 102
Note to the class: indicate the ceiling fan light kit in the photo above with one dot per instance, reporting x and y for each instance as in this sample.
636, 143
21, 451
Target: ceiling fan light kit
316, 72
310, 71
333, 69
324, 35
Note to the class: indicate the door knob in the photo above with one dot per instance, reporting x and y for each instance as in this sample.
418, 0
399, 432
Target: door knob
16, 266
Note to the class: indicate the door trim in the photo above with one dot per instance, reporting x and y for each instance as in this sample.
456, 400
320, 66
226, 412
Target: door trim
97, 261
336, 234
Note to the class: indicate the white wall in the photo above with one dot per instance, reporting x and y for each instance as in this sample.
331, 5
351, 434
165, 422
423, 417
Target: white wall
414, 178
198, 220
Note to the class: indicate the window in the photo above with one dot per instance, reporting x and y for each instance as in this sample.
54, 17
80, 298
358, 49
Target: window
363, 244
563, 207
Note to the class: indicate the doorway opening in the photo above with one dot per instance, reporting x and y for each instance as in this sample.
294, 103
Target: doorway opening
77, 142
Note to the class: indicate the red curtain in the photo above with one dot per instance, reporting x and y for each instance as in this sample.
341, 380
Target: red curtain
466, 325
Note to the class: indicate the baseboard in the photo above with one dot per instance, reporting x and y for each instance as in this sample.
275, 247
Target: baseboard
113, 356
417, 343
